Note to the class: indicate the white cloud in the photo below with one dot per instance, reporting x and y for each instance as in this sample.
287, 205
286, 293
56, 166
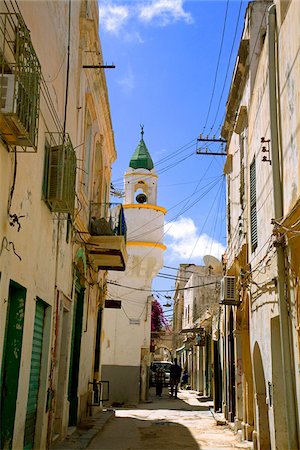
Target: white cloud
113, 17
165, 12
184, 241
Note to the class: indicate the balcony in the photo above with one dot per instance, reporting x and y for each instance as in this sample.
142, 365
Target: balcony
107, 244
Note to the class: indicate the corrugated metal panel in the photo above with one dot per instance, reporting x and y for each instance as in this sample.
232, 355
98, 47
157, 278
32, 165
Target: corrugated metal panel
35, 368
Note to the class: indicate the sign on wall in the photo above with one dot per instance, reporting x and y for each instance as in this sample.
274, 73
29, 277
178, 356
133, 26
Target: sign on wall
114, 304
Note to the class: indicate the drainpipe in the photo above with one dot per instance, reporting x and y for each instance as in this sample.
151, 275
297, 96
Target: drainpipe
285, 334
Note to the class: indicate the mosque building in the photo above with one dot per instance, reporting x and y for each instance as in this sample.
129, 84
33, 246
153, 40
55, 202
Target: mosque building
125, 356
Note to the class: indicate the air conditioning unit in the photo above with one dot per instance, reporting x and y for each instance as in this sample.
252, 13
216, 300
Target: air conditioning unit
7, 92
18, 110
229, 294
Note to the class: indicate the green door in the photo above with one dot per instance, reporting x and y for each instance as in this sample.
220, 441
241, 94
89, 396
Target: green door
75, 355
11, 362
35, 370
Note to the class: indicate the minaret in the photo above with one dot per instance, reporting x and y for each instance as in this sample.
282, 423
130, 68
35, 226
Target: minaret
125, 352
144, 218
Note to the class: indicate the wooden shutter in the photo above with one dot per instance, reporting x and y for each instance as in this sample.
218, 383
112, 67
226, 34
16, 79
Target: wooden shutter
253, 211
61, 178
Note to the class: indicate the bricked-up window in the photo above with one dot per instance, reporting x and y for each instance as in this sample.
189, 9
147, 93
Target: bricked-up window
253, 210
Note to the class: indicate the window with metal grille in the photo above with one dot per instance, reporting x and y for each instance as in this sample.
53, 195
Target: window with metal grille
20, 75
59, 173
253, 210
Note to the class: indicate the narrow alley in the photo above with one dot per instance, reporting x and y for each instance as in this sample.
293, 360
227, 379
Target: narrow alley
161, 423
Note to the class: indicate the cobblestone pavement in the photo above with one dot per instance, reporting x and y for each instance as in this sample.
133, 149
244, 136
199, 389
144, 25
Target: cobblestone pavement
166, 423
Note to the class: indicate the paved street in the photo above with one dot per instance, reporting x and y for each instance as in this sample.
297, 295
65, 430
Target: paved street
166, 423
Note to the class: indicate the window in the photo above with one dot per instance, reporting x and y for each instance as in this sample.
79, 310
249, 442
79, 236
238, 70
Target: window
228, 209
46, 171
253, 211
58, 189
242, 171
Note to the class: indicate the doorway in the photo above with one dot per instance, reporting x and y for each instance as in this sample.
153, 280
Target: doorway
231, 369
263, 426
11, 362
75, 354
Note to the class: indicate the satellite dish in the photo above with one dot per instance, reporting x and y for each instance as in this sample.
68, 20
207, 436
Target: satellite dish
141, 198
213, 262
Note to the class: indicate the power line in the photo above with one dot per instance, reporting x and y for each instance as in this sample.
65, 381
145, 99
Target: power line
175, 153
217, 68
204, 223
162, 290
228, 65
132, 234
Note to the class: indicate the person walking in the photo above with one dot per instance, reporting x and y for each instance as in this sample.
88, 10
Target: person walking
160, 378
175, 374
184, 380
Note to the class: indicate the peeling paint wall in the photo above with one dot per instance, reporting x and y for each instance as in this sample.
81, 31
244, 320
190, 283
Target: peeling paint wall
41, 256
257, 269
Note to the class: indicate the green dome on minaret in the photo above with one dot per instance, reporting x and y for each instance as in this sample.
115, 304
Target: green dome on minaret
141, 158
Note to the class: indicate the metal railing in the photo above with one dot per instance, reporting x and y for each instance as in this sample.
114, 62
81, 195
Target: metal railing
107, 219
20, 75
100, 392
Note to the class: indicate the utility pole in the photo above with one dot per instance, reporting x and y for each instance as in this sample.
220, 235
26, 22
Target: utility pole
212, 140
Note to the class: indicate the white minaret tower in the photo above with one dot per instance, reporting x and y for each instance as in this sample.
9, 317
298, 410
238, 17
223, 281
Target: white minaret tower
125, 354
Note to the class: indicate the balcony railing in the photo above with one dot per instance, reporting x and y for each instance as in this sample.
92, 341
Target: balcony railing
107, 219
107, 244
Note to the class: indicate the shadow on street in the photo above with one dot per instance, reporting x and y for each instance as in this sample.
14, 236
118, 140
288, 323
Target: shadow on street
144, 434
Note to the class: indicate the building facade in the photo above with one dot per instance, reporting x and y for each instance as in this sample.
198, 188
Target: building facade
56, 148
261, 316
196, 312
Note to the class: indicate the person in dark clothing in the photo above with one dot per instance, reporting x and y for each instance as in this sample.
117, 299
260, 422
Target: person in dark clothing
184, 380
175, 374
160, 377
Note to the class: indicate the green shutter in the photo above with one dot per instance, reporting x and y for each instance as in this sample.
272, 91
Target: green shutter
60, 174
228, 209
253, 211
35, 369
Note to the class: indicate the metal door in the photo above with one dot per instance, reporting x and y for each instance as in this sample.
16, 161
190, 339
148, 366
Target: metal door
35, 370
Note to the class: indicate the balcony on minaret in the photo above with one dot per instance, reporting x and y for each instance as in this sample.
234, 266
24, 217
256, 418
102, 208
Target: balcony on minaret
107, 244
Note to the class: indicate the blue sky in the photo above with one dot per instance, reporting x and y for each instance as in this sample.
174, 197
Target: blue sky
173, 64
